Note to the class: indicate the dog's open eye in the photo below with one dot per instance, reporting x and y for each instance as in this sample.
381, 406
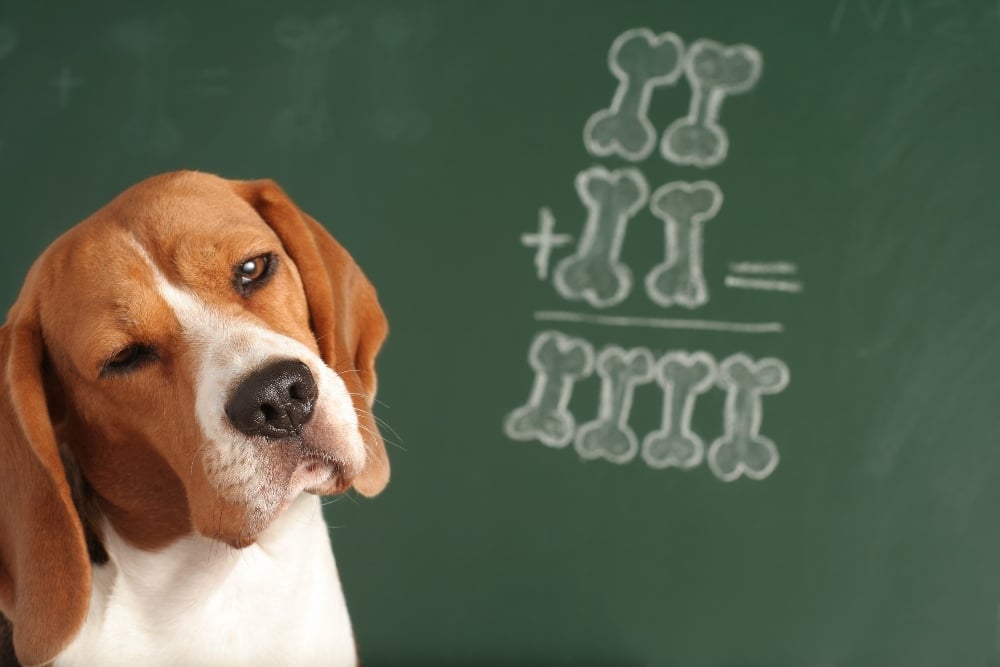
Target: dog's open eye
253, 272
128, 359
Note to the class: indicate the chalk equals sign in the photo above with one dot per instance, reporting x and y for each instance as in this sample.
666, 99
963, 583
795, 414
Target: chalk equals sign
768, 276
212, 82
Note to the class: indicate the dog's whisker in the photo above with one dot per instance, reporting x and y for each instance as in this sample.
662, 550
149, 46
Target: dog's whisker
375, 437
377, 420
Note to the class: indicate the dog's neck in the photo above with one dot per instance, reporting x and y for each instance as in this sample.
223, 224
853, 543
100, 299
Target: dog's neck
201, 602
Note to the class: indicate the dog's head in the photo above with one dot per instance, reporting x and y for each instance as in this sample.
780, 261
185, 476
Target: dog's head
205, 351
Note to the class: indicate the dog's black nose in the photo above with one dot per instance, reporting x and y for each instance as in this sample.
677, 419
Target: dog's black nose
275, 401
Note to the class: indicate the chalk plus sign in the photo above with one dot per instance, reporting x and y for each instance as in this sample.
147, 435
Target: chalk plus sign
544, 240
64, 85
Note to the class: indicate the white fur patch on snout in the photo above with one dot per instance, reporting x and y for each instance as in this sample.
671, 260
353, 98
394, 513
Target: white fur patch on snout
227, 349
236, 352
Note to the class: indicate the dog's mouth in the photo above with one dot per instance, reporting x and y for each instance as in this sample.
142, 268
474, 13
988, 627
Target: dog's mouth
319, 474
321, 461
314, 472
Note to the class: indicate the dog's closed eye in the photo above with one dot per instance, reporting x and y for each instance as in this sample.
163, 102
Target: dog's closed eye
128, 359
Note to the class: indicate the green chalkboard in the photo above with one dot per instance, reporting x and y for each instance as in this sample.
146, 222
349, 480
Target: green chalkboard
694, 305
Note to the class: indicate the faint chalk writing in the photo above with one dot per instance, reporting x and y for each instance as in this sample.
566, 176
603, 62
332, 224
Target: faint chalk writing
399, 34
212, 82
950, 19
64, 83
874, 13
149, 125
8, 40
304, 119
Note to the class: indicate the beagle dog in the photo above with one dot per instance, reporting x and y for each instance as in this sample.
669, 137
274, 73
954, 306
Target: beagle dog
184, 374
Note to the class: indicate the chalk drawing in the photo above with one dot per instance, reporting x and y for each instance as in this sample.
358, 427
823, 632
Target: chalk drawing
559, 361
874, 13
398, 36
790, 286
993, 13
714, 72
594, 273
212, 82
683, 377
392, 29
684, 208
757, 268
609, 437
742, 450
303, 119
641, 61
544, 240
396, 28
149, 126
761, 273
660, 322
8, 40
393, 124
64, 84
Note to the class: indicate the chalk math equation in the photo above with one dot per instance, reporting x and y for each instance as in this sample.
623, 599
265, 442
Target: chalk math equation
592, 275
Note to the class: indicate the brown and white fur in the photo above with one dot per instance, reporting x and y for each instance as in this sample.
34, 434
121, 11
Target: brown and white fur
184, 374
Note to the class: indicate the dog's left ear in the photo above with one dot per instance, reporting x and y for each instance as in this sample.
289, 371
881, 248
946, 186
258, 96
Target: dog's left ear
344, 312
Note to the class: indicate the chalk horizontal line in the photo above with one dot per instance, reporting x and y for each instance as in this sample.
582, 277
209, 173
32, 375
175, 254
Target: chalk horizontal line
781, 268
764, 284
659, 322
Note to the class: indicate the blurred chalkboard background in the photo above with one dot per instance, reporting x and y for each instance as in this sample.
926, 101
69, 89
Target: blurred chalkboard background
694, 316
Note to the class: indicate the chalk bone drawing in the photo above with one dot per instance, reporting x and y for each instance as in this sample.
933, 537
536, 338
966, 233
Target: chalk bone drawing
609, 436
683, 377
593, 273
559, 361
303, 119
149, 125
714, 72
741, 450
641, 61
684, 208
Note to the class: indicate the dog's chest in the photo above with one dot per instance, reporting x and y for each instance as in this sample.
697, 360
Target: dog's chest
198, 602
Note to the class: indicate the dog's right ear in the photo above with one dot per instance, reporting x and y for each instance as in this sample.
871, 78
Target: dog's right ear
44, 567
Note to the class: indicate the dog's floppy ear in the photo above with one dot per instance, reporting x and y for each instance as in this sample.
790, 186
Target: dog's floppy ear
44, 567
344, 312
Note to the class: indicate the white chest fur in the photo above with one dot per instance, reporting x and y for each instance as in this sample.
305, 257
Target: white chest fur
201, 603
